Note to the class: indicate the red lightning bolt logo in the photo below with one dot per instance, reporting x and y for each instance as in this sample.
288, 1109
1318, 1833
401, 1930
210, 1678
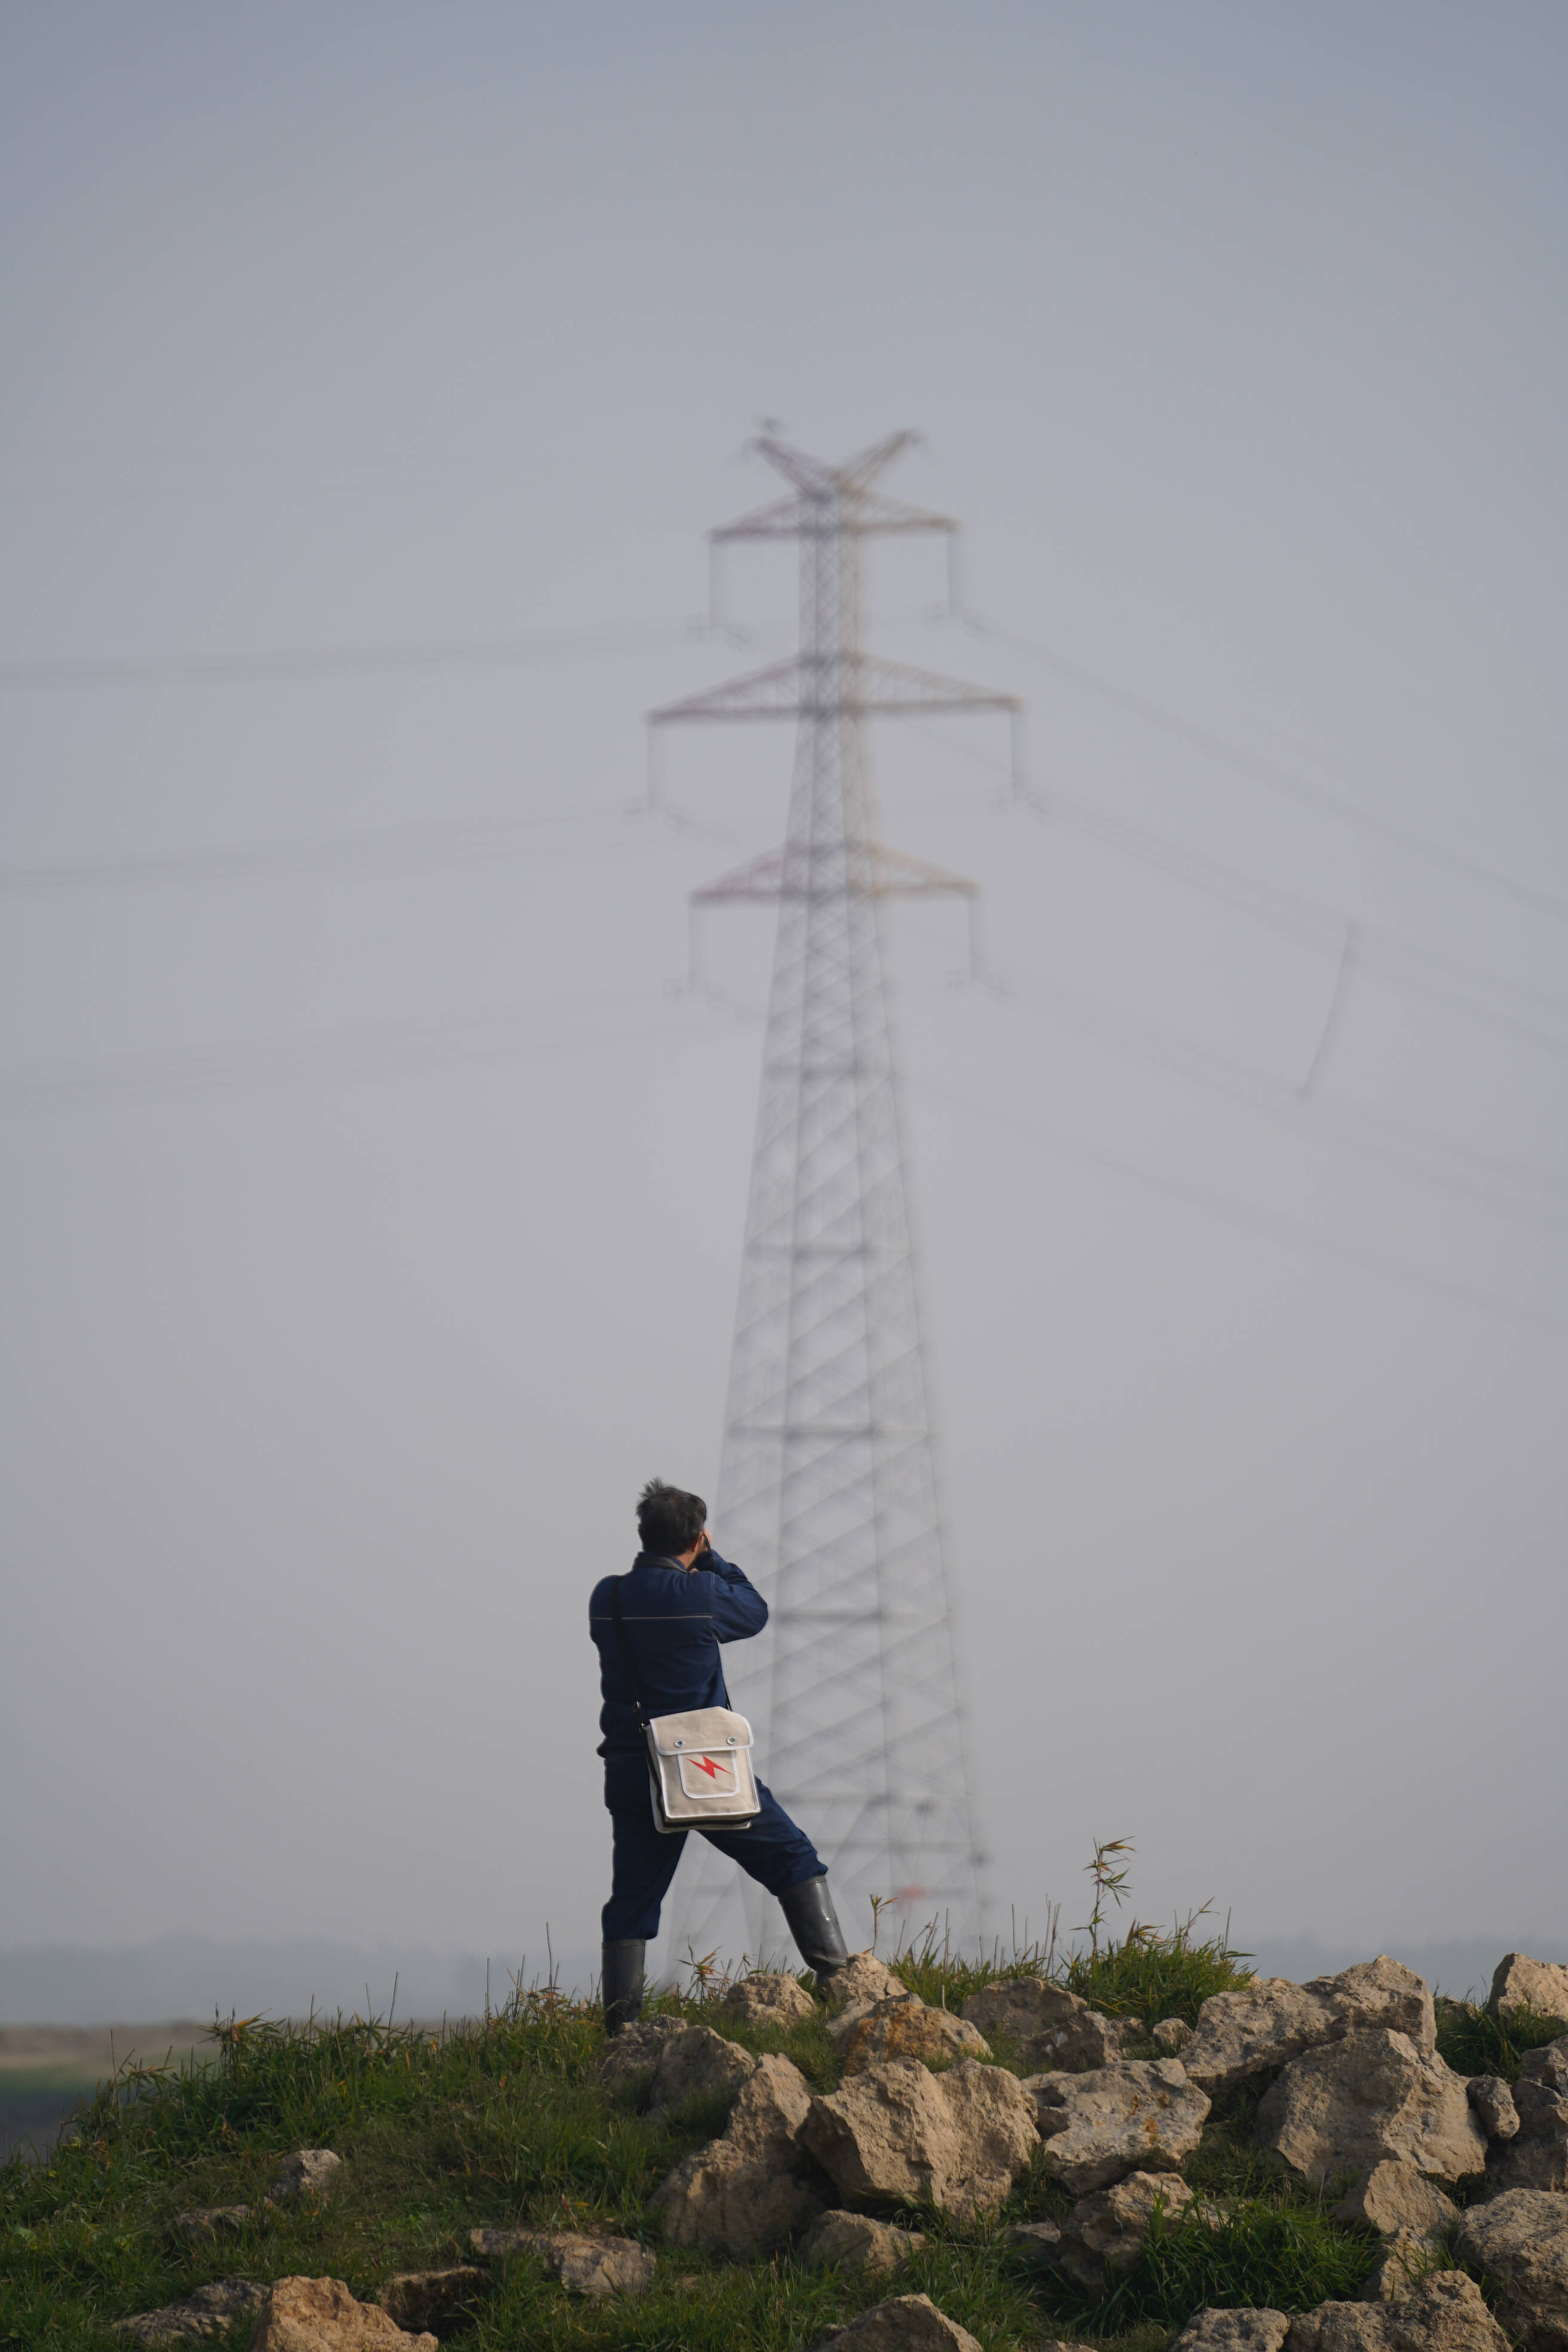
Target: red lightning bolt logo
706, 1764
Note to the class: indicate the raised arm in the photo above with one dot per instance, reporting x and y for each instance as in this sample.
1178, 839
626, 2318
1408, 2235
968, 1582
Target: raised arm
736, 1607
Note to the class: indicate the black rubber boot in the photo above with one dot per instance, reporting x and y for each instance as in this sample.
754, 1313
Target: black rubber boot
814, 1924
622, 1983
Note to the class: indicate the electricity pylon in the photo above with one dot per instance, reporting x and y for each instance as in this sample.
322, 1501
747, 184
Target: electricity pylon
828, 1491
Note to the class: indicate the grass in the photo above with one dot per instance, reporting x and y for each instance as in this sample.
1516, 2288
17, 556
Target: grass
504, 2122
1151, 1975
1475, 2043
1284, 2255
497, 2123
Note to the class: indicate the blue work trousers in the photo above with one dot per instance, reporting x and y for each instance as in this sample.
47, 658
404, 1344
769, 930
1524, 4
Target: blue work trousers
772, 1851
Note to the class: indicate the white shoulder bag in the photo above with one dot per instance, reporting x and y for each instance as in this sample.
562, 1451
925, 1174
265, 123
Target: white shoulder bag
698, 1765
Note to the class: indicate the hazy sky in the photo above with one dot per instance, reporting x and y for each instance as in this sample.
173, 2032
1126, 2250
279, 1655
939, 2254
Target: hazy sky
373, 1195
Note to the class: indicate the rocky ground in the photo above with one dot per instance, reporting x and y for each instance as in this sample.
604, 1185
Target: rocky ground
1143, 2148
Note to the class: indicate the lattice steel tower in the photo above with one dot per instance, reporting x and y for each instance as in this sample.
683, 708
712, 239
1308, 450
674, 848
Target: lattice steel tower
829, 1492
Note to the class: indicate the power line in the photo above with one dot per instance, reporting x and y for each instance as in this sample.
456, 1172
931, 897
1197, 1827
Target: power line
1261, 1221
1278, 779
365, 1050
304, 662
1346, 1128
372, 851
1450, 980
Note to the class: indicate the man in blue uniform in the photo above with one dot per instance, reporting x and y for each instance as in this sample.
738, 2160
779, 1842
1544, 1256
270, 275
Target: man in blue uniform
679, 1601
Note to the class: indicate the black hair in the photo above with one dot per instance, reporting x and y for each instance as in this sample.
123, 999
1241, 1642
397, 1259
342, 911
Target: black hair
669, 1520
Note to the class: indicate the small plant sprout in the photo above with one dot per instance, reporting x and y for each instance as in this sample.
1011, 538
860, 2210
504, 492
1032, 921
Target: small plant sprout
1106, 1880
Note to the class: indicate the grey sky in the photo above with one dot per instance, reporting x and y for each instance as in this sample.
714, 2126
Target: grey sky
334, 1349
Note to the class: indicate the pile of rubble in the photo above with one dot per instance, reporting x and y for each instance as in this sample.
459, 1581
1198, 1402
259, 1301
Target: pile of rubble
1356, 2088
1353, 2088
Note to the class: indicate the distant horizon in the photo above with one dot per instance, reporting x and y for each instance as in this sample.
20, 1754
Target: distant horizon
185, 1978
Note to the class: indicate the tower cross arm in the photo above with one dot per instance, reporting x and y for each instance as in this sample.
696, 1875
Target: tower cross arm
833, 501
860, 514
848, 685
871, 871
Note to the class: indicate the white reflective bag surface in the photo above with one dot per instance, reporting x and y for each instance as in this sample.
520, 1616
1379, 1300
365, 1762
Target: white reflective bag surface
699, 1766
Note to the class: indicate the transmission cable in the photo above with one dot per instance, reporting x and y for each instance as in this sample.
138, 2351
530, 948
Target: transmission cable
507, 651
1450, 980
1261, 1221
377, 850
366, 1050
1345, 1127
1270, 772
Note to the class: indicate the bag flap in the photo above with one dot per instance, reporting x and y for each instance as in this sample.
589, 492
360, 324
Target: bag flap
705, 1728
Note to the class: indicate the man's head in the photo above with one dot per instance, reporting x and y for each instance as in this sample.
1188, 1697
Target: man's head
669, 1521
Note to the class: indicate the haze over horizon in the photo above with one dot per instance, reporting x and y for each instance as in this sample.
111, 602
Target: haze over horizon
375, 1181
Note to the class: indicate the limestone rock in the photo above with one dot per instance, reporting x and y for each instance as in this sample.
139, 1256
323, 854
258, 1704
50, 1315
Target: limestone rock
1265, 2024
1085, 2042
854, 1990
306, 2177
770, 2110
1401, 2266
1521, 1983
1444, 2311
1537, 2156
894, 2130
1493, 2103
1536, 2159
1143, 2115
598, 2266
699, 2062
432, 2300
1037, 2244
1260, 2330
1047, 2027
320, 2314
1381, 1993
1258, 2026
1340, 2327
1353, 2103
910, 2323
587, 2265
500, 2245
854, 2241
1104, 2233
764, 1999
207, 2222
864, 1978
1170, 2037
749, 2192
1520, 2240
1397, 2202
631, 2057
1409, 2216
902, 2027
1542, 2081
209, 2310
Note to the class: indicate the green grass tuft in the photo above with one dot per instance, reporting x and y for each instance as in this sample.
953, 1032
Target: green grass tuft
1282, 2257
1475, 2043
1155, 1973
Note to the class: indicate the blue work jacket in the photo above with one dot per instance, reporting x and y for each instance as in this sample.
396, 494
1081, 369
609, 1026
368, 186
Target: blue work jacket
675, 1623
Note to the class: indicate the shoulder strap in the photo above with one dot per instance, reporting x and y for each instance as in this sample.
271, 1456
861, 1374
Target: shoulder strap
625, 1648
